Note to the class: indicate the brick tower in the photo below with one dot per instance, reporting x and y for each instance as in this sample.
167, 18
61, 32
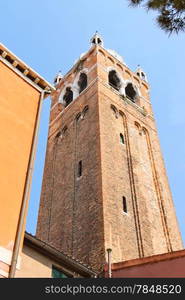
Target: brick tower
105, 184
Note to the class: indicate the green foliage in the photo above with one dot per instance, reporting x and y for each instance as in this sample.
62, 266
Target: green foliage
171, 13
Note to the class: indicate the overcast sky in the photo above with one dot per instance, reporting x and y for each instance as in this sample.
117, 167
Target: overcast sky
50, 35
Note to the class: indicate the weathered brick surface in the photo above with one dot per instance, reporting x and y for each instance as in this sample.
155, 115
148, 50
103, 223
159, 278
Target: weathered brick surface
84, 216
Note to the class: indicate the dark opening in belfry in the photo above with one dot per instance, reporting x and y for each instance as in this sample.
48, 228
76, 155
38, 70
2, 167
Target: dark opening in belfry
82, 82
68, 97
114, 80
130, 92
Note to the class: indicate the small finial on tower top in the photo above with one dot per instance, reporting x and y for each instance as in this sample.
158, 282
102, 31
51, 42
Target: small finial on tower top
58, 77
96, 39
141, 73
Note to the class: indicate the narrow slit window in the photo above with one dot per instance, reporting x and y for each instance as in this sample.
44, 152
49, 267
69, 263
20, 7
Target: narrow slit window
80, 168
122, 141
124, 205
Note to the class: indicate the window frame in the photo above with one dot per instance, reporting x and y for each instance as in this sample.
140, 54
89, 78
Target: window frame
63, 271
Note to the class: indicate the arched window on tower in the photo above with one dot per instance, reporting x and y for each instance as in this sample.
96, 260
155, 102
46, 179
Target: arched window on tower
130, 92
82, 82
114, 80
68, 97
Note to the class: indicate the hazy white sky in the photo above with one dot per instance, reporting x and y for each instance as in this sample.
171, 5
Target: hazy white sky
50, 35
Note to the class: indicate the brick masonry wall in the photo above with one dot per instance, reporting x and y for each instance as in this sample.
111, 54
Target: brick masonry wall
71, 213
150, 226
84, 216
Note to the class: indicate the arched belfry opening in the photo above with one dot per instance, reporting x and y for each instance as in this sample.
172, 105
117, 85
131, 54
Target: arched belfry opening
114, 80
68, 96
82, 82
131, 92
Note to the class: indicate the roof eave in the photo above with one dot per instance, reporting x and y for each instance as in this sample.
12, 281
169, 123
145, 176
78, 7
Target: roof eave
25, 71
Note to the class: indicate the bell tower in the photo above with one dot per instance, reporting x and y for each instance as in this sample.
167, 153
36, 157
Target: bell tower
105, 184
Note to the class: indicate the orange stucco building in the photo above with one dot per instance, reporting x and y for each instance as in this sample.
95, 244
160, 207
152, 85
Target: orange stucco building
22, 91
